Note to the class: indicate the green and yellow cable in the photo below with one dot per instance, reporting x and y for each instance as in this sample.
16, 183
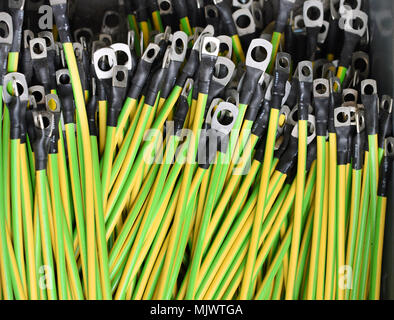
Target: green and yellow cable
134, 26
377, 249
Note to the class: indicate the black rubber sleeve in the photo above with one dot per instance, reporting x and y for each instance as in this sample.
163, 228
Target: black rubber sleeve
30, 126
189, 69
249, 84
321, 113
283, 15
62, 23
206, 154
52, 68
41, 149
153, 5
335, 102
171, 75
65, 92
342, 144
384, 176
192, 12
139, 79
180, 7
288, 128
154, 87
350, 43
290, 43
41, 71
255, 104
260, 149
358, 151
289, 157
17, 22
207, 65
312, 34
100, 90
332, 36
14, 109
292, 99
141, 12
311, 155
370, 103
227, 18
91, 110
115, 105
385, 127
4, 50
180, 114
23, 123
54, 139
278, 88
305, 99
261, 123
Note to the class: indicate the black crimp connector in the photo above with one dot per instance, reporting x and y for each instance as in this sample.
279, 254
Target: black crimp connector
171, 76
180, 114
321, 112
305, 100
350, 43
385, 176
91, 110
311, 154
4, 50
154, 87
14, 108
139, 79
335, 102
285, 7
180, 7
385, 126
279, 87
115, 104
311, 48
289, 158
17, 23
255, 103
343, 143
190, 68
55, 136
288, 128
249, 84
207, 65
62, 22
227, 17
41, 148
66, 97
370, 103
41, 71
141, 12
261, 122
358, 151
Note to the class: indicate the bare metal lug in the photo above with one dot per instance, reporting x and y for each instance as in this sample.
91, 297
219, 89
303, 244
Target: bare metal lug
38, 117
310, 8
230, 67
122, 47
48, 36
208, 31
131, 39
335, 85
386, 103
101, 53
52, 100
344, 6
211, 12
318, 68
321, 88
227, 42
151, 53
333, 11
37, 91
27, 36
350, 95
322, 36
63, 77
233, 97
119, 78
360, 121
78, 49
32, 103
224, 107
305, 71
257, 13
312, 129
83, 32
215, 102
105, 28
263, 49
249, 29
179, 46
352, 16
57, 2
369, 87
165, 7
299, 24
210, 46
106, 38
357, 56
15, 78
283, 62
38, 49
187, 88
389, 147
242, 4
7, 20
345, 120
